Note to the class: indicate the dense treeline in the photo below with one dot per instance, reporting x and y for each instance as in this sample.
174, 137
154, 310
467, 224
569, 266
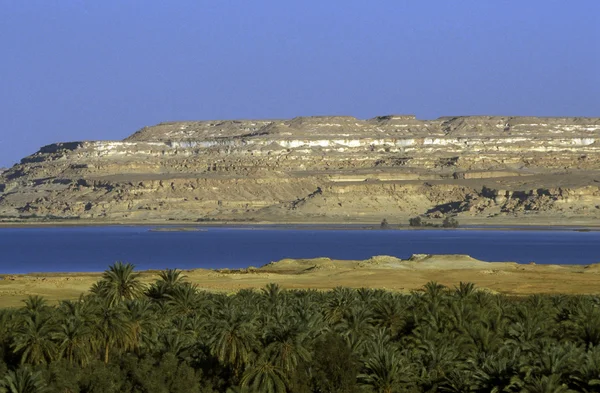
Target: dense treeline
173, 337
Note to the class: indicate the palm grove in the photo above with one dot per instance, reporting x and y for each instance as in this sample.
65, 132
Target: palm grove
173, 337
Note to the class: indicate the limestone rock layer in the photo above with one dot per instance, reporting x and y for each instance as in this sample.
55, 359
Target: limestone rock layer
482, 169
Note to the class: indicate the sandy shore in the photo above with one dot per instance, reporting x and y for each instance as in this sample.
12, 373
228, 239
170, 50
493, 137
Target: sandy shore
465, 223
323, 273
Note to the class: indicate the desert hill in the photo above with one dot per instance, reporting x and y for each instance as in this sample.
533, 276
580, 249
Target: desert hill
484, 169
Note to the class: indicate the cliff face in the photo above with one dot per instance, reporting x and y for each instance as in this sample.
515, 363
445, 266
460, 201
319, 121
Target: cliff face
318, 169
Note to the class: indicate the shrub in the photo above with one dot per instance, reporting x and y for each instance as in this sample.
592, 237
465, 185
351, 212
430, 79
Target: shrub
415, 222
450, 222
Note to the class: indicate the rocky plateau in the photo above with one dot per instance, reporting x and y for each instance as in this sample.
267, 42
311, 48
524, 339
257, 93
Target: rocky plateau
330, 169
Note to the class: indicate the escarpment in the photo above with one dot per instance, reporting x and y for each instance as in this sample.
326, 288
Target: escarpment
483, 169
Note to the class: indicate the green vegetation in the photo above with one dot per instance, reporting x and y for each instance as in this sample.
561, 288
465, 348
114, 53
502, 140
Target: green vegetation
449, 222
416, 222
172, 337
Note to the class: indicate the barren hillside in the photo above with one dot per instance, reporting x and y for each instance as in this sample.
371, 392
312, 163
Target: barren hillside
483, 169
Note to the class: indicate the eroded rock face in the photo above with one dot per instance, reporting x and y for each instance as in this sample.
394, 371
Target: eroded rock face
318, 169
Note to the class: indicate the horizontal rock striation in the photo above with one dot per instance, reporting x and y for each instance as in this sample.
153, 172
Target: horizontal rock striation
330, 168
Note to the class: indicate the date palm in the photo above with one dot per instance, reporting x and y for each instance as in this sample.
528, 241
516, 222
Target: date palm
73, 308
7, 320
73, 337
119, 283
587, 376
184, 299
389, 313
33, 339
175, 343
546, 384
383, 371
497, 373
483, 340
434, 292
264, 377
464, 290
168, 280
23, 381
172, 277
35, 305
111, 328
233, 339
458, 381
272, 294
339, 302
287, 346
561, 360
357, 321
144, 324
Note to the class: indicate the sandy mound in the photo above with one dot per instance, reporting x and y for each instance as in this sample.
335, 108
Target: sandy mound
415, 262
593, 268
381, 261
301, 265
454, 261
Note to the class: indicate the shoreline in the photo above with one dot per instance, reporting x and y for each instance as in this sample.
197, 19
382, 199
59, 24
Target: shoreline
297, 225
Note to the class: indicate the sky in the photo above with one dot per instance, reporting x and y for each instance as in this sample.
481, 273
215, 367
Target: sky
75, 70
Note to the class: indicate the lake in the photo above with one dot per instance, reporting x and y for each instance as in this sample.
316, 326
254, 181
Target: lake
80, 249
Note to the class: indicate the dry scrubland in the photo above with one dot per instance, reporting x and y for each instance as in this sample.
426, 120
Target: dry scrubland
324, 273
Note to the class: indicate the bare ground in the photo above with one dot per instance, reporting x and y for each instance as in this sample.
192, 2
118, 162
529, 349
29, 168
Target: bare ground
324, 273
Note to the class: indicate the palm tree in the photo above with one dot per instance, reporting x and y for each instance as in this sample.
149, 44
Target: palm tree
175, 343
33, 339
546, 384
464, 290
436, 358
233, 339
434, 291
588, 329
168, 280
7, 320
272, 294
35, 304
587, 375
119, 283
73, 339
339, 303
264, 377
73, 308
497, 373
357, 321
389, 313
383, 372
458, 381
527, 329
111, 328
483, 340
461, 314
23, 381
144, 325
287, 347
561, 360
184, 299
172, 277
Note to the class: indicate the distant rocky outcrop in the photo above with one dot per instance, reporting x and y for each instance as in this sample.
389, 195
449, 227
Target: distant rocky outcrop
329, 169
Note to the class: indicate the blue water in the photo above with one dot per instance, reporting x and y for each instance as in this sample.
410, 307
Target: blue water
72, 249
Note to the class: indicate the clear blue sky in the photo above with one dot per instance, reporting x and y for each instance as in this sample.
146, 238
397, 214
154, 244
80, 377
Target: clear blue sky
86, 70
